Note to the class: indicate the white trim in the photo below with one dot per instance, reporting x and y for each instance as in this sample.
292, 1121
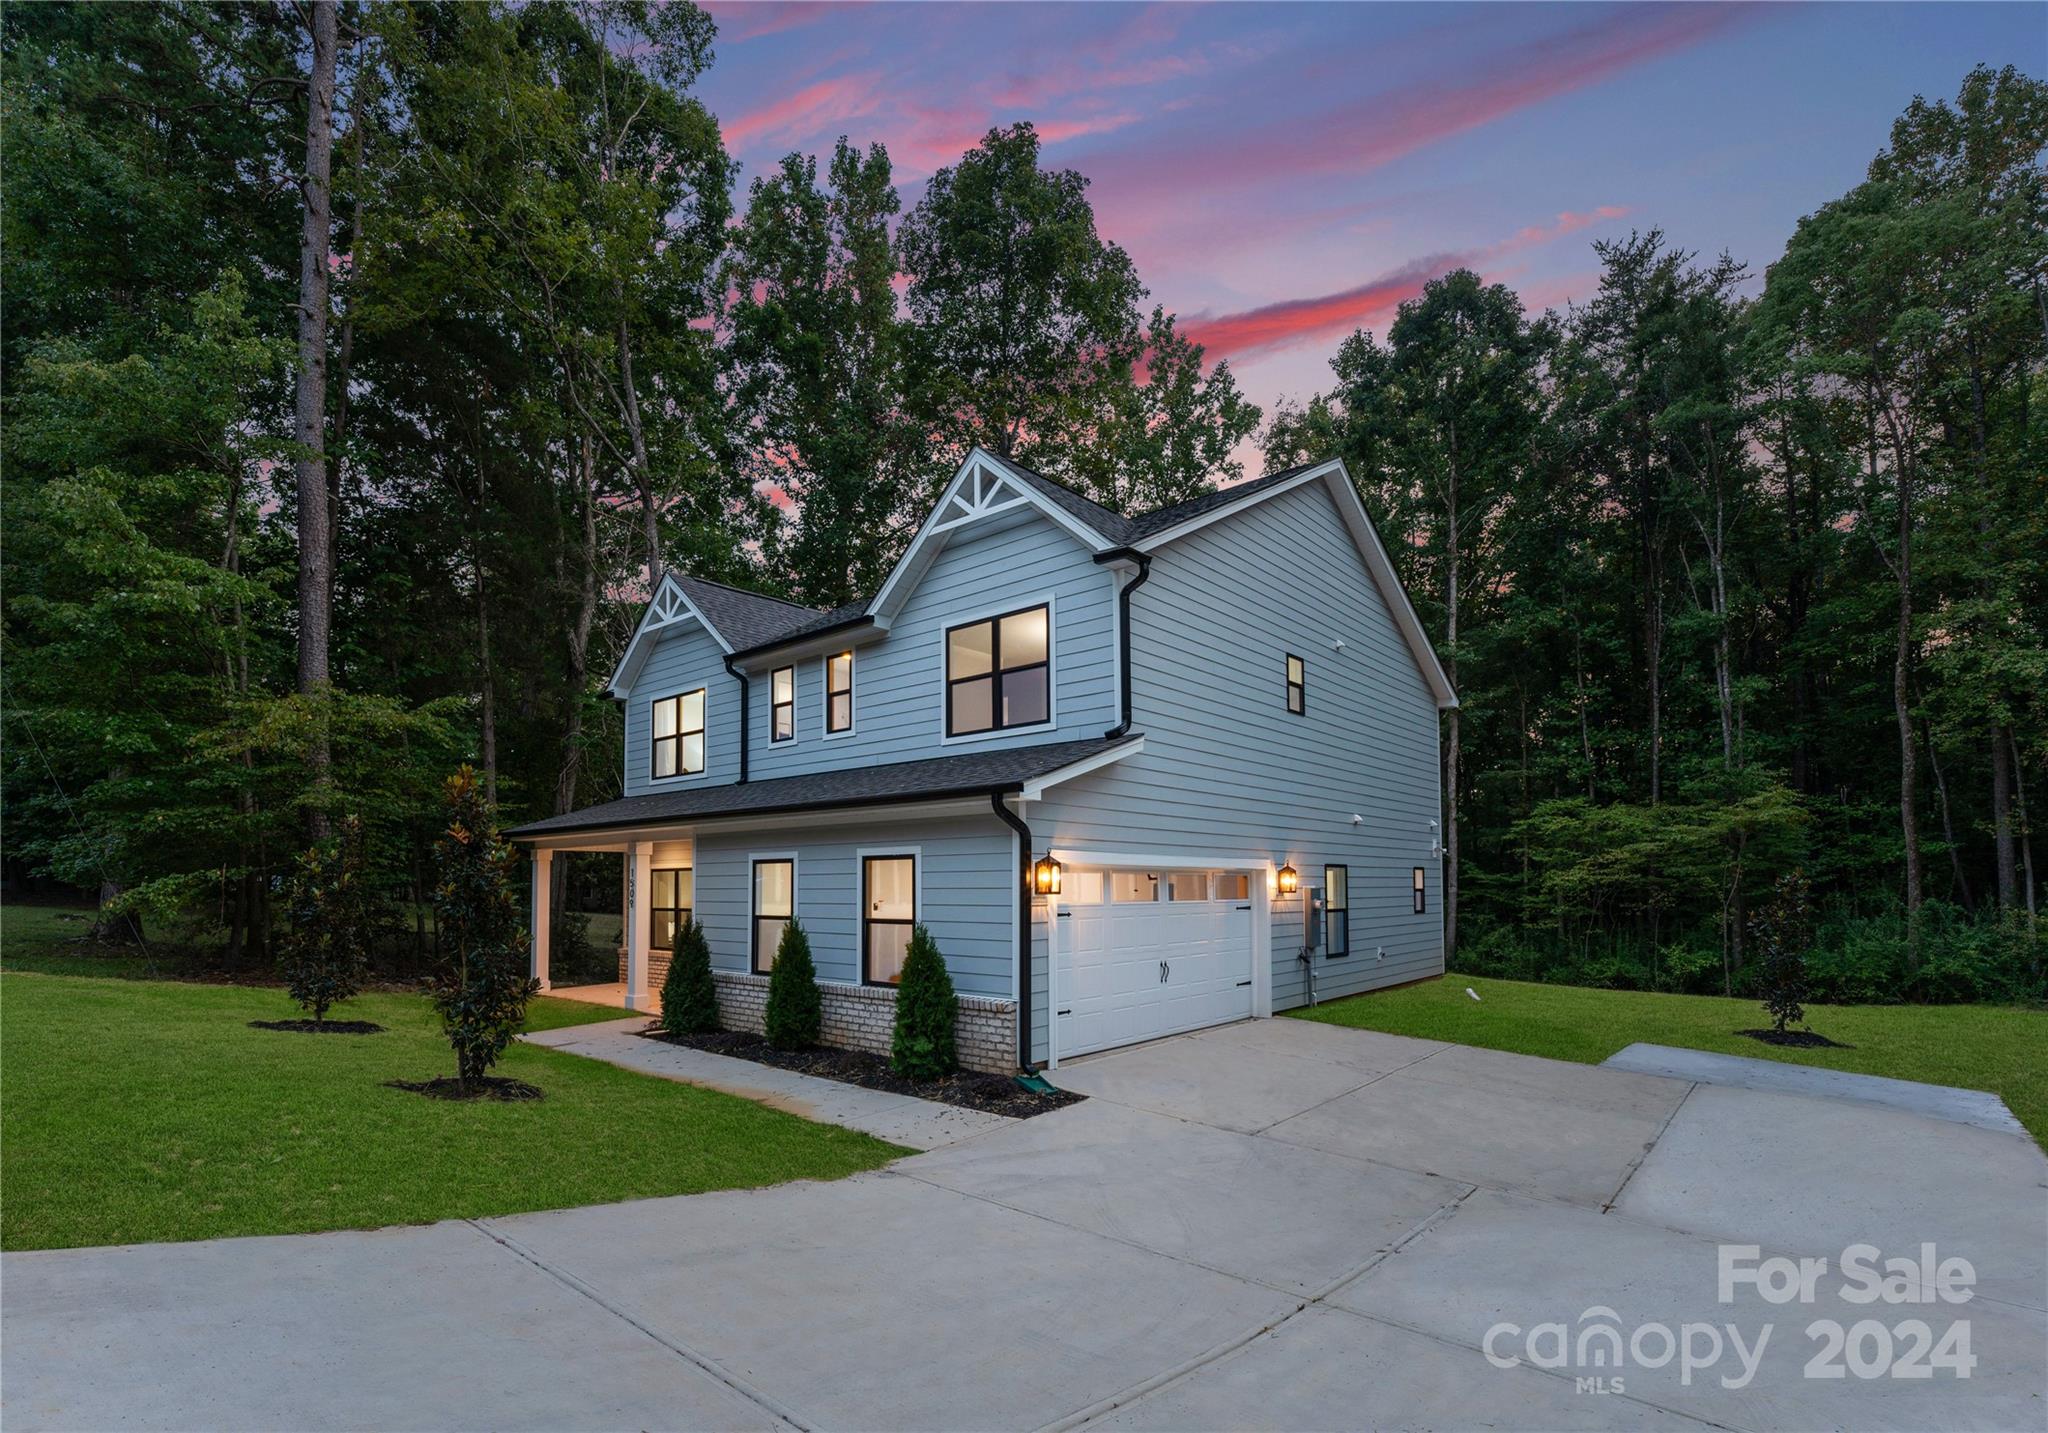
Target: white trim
1337, 479
639, 929
825, 694
736, 823
1052, 981
701, 772
1049, 601
668, 607
984, 487
861, 856
1037, 786
539, 927
753, 857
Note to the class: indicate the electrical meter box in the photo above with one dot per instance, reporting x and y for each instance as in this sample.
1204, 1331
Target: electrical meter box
1312, 917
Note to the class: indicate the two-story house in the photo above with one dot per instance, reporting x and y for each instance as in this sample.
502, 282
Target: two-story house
1136, 774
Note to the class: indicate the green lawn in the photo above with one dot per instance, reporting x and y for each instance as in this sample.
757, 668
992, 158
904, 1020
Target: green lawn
139, 1110
1979, 1047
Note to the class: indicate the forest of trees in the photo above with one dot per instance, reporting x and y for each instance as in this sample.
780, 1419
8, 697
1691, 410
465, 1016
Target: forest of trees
361, 364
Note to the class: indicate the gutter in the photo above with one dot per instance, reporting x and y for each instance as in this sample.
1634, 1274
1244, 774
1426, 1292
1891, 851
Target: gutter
1123, 630
1016, 823
746, 726
810, 634
533, 831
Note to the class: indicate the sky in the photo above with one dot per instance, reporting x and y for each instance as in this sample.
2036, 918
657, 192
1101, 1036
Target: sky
1283, 174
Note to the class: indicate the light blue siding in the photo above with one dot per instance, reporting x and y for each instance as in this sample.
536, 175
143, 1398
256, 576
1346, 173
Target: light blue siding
684, 659
967, 893
1227, 770
899, 681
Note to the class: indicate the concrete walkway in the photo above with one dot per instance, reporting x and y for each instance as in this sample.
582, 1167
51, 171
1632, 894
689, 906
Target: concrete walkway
899, 1119
1272, 1225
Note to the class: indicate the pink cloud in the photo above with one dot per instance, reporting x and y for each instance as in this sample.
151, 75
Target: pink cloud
1292, 321
1368, 133
750, 21
803, 112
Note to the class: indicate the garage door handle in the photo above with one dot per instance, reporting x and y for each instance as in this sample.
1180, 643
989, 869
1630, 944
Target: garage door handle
1242, 984
1066, 1012
1244, 908
1065, 914
1162, 972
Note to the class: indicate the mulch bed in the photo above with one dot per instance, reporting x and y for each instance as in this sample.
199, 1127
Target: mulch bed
489, 1087
327, 1027
1800, 1039
969, 1089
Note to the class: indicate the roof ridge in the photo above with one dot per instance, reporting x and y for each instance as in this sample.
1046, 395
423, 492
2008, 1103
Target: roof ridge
749, 592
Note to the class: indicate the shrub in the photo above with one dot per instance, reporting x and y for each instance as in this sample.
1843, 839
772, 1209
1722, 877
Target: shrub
1783, 930
796, 1009
483, 985
335, 919
922, 1046
689, 997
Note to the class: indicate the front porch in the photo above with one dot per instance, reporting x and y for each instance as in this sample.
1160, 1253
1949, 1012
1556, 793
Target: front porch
613, 995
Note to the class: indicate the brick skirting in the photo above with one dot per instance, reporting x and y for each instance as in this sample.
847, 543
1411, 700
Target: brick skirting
859, 1017
863, 1017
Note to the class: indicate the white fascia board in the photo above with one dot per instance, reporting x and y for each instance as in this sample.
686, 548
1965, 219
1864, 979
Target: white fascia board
1337, 479
680, 609
1037, 786
935, 532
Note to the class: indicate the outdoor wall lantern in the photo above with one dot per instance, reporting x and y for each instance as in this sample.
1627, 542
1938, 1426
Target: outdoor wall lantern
1290, 880
1045, 876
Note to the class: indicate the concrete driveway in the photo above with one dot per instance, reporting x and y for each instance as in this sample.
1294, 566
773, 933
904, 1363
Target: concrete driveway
1271, 1225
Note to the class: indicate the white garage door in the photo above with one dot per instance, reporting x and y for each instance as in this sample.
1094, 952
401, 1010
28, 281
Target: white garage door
1144, 954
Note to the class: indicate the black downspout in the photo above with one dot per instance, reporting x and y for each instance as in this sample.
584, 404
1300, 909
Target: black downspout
745, 724
1123, 635
1016, 823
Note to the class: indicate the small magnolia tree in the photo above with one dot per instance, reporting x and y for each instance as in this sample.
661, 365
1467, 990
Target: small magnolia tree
689, 997
1782, 930
483, 986
335, 917
922, 1046
796, 1008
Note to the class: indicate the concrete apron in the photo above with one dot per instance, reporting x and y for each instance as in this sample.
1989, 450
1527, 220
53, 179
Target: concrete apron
1272, 1225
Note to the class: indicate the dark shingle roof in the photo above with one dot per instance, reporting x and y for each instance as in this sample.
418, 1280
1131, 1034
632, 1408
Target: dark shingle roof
1107, 521
1158, 520
971, 774
745, 619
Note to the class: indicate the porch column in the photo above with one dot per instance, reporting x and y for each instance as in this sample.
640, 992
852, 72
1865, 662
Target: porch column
543, 891
639, 921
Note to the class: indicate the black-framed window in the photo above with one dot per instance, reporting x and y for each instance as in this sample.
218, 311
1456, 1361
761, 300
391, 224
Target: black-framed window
1297, 685
1421, 893
674, 889
774, 906
888, 909
677, 748
999, 672
1336, 911
839, 692
782, 704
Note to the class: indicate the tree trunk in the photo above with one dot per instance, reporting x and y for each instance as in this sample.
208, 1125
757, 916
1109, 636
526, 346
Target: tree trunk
643, 476
1948, 830
486, 682
1909, 824
316, 571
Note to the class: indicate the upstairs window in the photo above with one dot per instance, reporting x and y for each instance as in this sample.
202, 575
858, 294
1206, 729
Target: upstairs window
998, 673
678, 745
839, 693
1336, 911
782, 704
1297, 685
1421, 893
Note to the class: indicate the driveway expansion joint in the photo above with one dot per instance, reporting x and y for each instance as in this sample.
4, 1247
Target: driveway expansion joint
703, 1362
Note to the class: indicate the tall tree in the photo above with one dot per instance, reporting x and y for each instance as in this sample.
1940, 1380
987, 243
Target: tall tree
309, 463
820, 372
1025, 316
